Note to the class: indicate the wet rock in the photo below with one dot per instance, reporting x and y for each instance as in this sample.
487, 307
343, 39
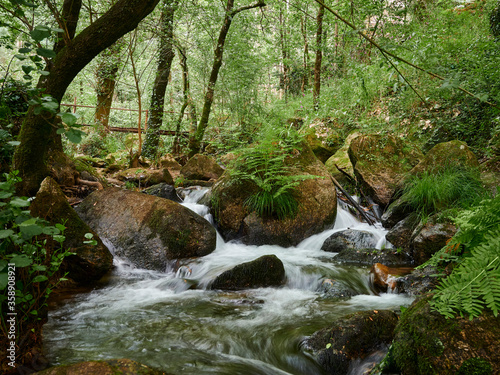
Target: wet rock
202, 167
349, 239
163, 190
107, 367
353, 337
145, 177
262, 272
425, 342
89, 263
367, 257
334, 289
397, 211
418, 282
430, 237
399, 236
147, 230
380, 162
317, 207
385, 278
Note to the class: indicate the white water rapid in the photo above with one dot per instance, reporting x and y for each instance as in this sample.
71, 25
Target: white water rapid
159, 319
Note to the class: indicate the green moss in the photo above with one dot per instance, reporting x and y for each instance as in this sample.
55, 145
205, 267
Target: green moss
475, 366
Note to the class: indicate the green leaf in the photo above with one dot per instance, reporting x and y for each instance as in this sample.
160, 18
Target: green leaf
24, 50
45, 52
19, 202
6, 233
4, 279
68, 118
40, 278
74, 135
39, 33
14, 143
51, 231
21, 261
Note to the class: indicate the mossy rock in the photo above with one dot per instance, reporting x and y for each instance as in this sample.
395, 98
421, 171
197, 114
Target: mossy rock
380, 162
145, 177
90, 262
83, 165
202, 167
426, 343
266, 271
341, 159
323, 140
351, 338
107, 367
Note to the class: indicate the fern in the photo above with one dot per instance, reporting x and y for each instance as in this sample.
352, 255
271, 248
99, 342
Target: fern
474, 283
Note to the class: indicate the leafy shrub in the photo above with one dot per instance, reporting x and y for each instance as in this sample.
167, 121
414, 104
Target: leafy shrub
474, 283
451, 187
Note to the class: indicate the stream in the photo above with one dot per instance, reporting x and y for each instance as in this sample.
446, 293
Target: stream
170, 321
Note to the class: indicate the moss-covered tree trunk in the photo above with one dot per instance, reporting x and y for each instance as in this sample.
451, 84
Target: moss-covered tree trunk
195, 140
319, 56
38, 131
161, 81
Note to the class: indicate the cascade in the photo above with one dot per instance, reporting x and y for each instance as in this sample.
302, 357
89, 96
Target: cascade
170, 319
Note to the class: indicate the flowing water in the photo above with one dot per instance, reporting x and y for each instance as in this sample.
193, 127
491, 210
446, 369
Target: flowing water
170, 321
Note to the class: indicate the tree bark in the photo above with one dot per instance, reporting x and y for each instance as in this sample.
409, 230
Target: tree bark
305, 74
161, 81
39, 130
195, 141
319, 56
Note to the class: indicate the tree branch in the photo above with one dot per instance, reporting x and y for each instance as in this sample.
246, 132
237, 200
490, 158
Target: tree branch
258, 4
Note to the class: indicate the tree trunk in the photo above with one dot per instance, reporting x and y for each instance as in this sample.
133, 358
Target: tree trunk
319, 57
284, 55
305, 74
161, 81
176, 148
38, 131
195, 141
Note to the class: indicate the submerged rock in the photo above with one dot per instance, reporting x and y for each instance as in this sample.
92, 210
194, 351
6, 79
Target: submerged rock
147, 230
317, 207
380, 161
349, 239
262, 272
107, 367
202, 167
89, 263
353, 337
425, 342
334, 289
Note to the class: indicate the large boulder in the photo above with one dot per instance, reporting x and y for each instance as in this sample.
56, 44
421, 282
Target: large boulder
425, 342
317, 207
89, 263
351, 338
107, 367
148, 230
430, 237
202, 167
145, 177
266, 271
349, 239
380, 161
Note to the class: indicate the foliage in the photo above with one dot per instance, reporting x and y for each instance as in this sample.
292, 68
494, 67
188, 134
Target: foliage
474, 283
268, 166
450, 187
35, 249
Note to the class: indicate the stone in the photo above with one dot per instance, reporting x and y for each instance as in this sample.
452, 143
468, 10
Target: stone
429, 238
145, 177
380, 162
349, 239
341, 159
163, 190
266, 271
335, 290
395, 212
317, 207
148, 230
322, 138
385, 278
425, 342
351, 338
89, 263
108, 367
400, 235
367, 257
418, 282
202, 167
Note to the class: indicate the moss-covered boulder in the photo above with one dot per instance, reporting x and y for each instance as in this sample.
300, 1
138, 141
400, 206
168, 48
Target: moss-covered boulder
89, 263
322, 138
266, 271
380, 161
445, 154
202, 167
353, 337
341, 160
425, 343
147, 230
145, 177
107, 367
317, 207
